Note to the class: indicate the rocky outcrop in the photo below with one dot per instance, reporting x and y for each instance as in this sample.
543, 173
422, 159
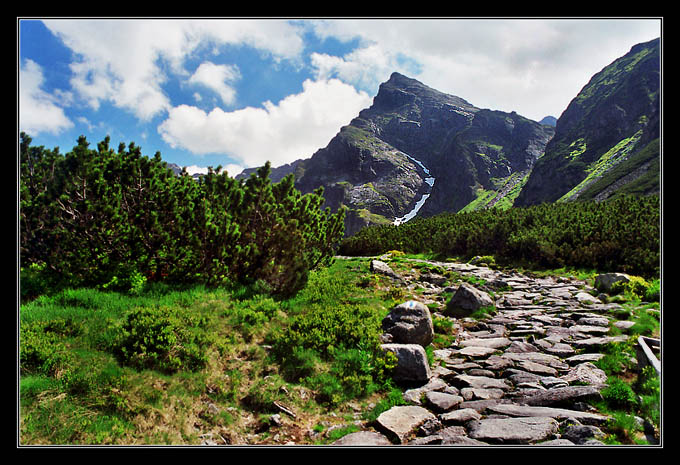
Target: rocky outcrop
614, 117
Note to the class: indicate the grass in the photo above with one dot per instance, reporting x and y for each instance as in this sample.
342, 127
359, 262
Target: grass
174, 365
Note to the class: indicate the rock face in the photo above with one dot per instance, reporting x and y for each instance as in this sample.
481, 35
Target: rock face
466, 300
608, 131
409, 323
366, 166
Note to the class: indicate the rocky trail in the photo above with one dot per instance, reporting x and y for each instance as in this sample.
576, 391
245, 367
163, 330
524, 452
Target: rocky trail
522, 375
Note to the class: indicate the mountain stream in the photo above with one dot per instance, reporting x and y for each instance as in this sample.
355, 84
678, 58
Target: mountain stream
430, 181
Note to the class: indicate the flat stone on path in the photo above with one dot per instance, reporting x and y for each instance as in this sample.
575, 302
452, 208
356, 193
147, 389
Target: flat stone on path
363, 438
442, 401
400, 422
491, 343
514, 430
550, 412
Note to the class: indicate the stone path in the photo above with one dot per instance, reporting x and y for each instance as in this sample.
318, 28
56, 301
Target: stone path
522, 376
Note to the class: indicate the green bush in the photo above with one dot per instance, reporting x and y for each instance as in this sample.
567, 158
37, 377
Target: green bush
619, 395
621, 234
165, 339
42, 350
118, 219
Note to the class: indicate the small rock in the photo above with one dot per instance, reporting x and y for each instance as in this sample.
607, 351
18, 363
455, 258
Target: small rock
585, 373
466, 301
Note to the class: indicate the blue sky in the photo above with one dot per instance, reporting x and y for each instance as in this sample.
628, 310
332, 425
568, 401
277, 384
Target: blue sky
239, 92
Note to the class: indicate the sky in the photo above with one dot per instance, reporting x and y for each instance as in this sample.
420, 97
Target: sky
237, 92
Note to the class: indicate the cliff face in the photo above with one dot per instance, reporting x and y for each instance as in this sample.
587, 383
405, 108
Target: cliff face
369, 165
611, 121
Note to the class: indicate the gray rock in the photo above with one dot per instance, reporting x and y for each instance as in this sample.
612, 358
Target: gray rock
383, 268
580, 434
409, 323
477, 352
586, 299
492, 343
414, 395
515, 410
514, 430
481, 382
363, 438
560, 396
466, 301
605, 281
412, 364
585, 373
401, 422
441, 401
460, 416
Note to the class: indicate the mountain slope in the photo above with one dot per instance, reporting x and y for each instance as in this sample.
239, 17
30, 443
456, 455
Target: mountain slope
376, 166
612, 119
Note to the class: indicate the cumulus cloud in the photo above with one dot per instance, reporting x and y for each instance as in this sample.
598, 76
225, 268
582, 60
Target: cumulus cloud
532, 66
294, 128
217, 78
40, 111
120, 61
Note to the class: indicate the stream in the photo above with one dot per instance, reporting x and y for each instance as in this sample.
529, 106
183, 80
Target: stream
430, 181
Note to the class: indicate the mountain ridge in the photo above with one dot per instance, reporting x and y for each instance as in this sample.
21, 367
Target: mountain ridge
418, 147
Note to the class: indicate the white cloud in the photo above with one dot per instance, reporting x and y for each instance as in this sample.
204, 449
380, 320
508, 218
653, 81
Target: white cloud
216, 77
294, 128
532, 66
40, 111
119, 60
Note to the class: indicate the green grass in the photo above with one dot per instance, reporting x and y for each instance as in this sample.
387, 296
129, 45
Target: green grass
104, 367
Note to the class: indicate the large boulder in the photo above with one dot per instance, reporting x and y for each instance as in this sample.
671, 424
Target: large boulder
412, 364
605, 281
466, 301
409, 323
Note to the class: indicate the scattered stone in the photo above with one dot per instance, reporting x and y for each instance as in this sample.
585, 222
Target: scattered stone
409, 323
477, 352
481, 382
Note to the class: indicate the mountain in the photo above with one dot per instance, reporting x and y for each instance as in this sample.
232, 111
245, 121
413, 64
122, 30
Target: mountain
549, 120
607, 140
416, 147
